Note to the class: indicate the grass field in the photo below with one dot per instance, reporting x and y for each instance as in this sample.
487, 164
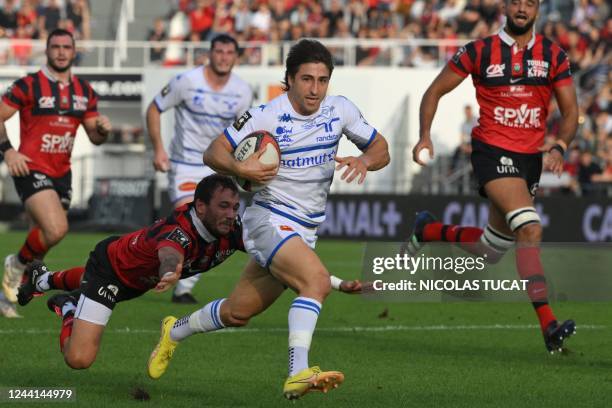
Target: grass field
418, 355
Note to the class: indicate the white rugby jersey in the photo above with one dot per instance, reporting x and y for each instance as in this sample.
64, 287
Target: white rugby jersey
200, 113
308, 146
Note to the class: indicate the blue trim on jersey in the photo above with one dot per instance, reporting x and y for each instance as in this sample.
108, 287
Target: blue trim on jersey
187, 163
315, 215
157, 105
365, 146
309, 148
229, 138
306, 303
284, 214
210, 115
280, 244
193, 150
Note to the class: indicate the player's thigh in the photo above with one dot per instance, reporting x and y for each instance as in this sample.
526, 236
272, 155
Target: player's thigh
45, 210
255, 291
84, 343
299, 267
508, 194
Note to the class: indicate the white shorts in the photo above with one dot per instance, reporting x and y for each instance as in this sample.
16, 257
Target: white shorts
264, 232
92, 311
183, 179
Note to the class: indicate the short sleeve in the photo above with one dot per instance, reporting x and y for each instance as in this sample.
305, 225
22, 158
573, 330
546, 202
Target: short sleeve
92, 103
561, 73
175, 238
17, 95
249, 122
462, 63
170, 95
355, 127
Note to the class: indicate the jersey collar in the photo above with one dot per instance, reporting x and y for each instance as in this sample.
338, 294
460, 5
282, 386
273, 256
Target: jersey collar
505, 37
204, 233
45, 70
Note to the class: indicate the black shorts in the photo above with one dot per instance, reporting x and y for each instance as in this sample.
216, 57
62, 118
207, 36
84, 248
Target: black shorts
36, 181
491, 162
100, 283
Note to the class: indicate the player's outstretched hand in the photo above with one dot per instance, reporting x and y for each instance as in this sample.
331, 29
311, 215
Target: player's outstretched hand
553, 160
169, 279
355, 166
254, 170
161, 162
422, 144
17, 163
103, 125
355, 287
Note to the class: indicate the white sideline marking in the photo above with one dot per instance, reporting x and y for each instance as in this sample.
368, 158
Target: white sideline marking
127, 330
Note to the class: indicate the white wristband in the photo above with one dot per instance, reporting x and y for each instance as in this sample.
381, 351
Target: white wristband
335, 282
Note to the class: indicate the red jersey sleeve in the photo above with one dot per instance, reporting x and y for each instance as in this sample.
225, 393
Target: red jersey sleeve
175, 238
561, 74
92, 103
464, 60
17, 95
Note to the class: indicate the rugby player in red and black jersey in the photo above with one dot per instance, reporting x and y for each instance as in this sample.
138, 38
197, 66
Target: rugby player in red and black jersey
515, 74
195, 238
52, 103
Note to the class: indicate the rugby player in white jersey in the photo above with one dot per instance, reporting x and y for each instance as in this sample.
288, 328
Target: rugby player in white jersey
280, 227
206, 100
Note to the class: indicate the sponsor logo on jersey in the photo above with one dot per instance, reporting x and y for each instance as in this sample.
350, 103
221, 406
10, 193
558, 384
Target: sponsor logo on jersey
285, 117
109, 292
285, 228
187, 186
537, 68
516, 91
80, 102
41, 181
523, 117
179, 236
495, 70
165, 90
241, 121
309, 161
46, 102
283, 133
506, 166
56, 143
458, 55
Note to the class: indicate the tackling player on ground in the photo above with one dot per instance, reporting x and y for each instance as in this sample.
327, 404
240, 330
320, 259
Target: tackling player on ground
206, 100
280, 227
197, 237
515, 74
52, 103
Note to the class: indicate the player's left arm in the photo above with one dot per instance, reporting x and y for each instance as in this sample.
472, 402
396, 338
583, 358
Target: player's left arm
170, 267
568, 106
98, 128
352, 287
375, 157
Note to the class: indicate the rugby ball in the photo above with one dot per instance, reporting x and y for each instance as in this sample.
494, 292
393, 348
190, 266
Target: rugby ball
257, 141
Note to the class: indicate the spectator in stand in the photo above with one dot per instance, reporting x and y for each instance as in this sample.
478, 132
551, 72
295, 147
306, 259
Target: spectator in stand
158, 33
586, 171
334, 15
22, 48
77, 11
49, 16
8, 16
202, 18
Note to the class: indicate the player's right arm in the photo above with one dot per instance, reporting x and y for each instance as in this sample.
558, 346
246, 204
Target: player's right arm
17, 162
161, 161
170, 267
445, 82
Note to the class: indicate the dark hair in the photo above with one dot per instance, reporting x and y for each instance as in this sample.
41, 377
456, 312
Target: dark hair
303, 52
59, 32
208, 185
224, 39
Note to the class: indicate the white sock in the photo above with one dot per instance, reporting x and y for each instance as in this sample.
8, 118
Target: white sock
186, 285
67, 308
42, 283
203, 320
303, 315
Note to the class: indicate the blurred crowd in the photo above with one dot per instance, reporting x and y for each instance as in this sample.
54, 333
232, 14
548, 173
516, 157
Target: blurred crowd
26, 20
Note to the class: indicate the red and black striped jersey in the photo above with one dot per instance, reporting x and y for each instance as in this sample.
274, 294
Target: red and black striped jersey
50, 113
134, 256
513, 87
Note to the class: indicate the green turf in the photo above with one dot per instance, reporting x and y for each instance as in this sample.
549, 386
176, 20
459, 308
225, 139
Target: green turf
439, 355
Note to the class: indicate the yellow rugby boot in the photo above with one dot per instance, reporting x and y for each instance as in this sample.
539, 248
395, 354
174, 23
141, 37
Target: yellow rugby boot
311, 379
162, 354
